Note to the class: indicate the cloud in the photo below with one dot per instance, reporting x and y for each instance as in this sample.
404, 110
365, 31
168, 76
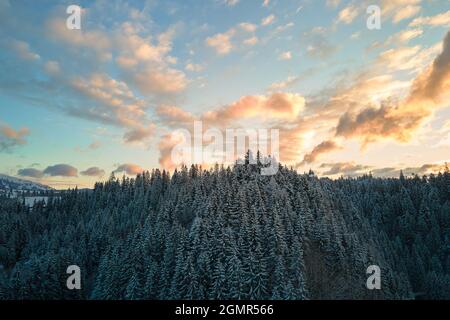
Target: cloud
174, 116
434, 82
395, 172
283, 28
146, 62
85, 38
116, 105
129, 168
233, 38
138, 135
399, 120
414, 59
348, 14
285, 56
385, 172
160, 81
424, 169
251, 41
319, 45
266, 3
404, 36
135, 49
166, 147
268, 20
355, 35
399, 10
93, 172
231, 3
371, 87
23, 50
194, 67
31, 173
147, 52
442, 20
344, 168
284, 107
352, 94
52, 67
294, 139
221, 42
277, 105
61, 170
406, 13
104, 89
352, 169
95, 145
248, 27
399, 58
333, 3
142, 63
371, 124
10, 138
283, 84
322, 148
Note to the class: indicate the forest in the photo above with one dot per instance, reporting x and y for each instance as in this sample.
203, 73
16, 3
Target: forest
231, 233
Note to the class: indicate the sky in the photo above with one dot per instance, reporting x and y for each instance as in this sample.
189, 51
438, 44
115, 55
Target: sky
76, 105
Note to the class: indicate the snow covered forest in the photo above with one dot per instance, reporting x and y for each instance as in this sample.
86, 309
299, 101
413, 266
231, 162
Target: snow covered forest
231, 233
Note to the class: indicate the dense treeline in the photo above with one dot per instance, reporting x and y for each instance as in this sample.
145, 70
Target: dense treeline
231, 233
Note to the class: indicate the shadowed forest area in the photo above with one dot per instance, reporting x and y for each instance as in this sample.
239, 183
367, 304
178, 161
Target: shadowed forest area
231, 233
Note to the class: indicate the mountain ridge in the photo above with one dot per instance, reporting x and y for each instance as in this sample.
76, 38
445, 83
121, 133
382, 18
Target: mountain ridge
8, 183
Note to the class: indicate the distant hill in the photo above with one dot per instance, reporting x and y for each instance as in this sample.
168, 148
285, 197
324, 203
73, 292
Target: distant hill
11, 184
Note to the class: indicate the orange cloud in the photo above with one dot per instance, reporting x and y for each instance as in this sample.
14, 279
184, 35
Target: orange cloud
441, 19
10, 137
139, 134
129, 168
324, 147
348, 14
166, 145
221, 42
159, 80
344, 168
291, 140
400, 9
116, 104
174, 116
399, 121
277, 105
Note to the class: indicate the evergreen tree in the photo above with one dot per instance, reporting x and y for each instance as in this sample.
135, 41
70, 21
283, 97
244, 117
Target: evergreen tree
231, 233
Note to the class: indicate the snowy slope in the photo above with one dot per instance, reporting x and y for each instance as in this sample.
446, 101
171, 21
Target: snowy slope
8, 183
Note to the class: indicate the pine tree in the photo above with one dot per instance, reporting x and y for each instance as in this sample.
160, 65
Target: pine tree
230, 233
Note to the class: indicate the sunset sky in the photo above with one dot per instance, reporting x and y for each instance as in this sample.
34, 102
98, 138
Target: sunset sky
76, 105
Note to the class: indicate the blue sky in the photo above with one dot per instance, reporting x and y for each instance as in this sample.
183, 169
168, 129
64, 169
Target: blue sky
109, 96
